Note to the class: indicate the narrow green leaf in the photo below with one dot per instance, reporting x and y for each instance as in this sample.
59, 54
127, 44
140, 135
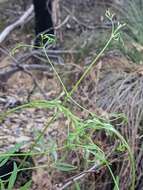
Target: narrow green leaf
117, 180
12, 178
4, 159
26, 186
77, 186
64, 167
1, 185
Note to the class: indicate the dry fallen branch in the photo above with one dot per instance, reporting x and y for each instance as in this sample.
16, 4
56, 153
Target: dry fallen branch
6, 74
23, 19
78, 177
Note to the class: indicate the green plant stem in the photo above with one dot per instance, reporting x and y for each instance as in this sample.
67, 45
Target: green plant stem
131, 157
89, 68
114, 34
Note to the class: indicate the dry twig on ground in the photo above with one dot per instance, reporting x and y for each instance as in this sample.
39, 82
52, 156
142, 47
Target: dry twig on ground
22, 20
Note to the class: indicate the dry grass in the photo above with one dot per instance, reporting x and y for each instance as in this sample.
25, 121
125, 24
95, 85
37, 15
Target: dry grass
117, 87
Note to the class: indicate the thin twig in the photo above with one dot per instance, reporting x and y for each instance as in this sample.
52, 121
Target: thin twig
19, 22
6, 74
79, 176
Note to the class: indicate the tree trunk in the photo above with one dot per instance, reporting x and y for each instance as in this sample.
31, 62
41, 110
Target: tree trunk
43, 17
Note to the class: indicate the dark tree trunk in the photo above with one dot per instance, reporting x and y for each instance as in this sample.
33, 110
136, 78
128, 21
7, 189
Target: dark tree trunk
43, 17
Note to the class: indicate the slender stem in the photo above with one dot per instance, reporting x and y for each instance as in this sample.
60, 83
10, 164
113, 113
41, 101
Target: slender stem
90, 66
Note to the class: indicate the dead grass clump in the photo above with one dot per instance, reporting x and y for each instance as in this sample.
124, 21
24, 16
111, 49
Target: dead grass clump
122, 92
116, 86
